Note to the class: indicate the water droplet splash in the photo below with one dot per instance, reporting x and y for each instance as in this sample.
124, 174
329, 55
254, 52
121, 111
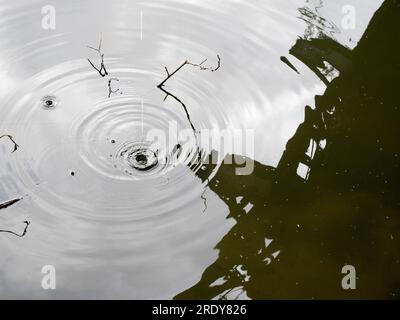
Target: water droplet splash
138, 157
49, 102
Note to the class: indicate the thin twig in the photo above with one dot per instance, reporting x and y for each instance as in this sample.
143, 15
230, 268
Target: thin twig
16, 234
170, 75
203, 197
169, 94
203, 68
12, 140
102, 70
110, 90
9, 203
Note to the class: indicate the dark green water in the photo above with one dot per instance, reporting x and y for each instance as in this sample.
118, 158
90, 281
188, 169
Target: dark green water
347, 212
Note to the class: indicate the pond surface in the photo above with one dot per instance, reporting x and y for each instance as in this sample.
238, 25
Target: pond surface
117, 215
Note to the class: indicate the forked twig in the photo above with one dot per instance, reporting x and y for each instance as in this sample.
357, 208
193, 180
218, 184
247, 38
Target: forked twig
110, 90
202, 67
102, 70
170, 75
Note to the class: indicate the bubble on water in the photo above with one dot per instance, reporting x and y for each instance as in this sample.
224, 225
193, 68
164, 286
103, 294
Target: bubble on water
142, 159
138, 157
49, 102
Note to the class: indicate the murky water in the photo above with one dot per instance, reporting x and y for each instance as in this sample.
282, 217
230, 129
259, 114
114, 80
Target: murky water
117, 215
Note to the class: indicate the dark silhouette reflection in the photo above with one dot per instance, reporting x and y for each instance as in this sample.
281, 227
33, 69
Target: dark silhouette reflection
294, 234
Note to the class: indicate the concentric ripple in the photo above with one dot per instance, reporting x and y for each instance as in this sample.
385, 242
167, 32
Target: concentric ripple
49, 102
119, 210
128, 138
139, 157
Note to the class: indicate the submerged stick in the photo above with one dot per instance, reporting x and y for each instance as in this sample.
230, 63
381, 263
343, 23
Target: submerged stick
170, 75
6, 205
9, 203
16, 146
110, 90
102, 70
16, 234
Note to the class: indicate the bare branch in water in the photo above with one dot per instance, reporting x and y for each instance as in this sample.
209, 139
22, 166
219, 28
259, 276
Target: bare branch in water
203, 68
110, 90
9, 203
170, 75
102, 70
6, 205
12, 140
27, 223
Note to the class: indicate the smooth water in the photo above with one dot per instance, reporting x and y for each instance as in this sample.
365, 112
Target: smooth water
115, 218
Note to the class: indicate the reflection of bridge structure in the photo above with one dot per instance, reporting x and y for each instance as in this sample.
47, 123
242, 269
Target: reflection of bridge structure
347, 212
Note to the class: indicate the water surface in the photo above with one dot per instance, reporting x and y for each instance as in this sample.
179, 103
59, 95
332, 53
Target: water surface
112, 228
